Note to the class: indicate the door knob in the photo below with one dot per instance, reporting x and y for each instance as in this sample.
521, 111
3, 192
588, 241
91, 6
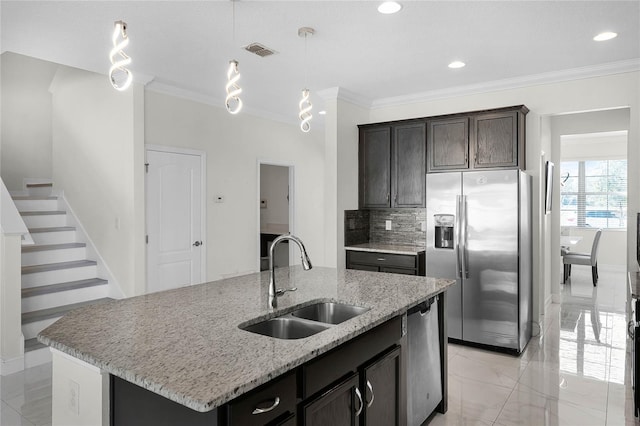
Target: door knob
197, 243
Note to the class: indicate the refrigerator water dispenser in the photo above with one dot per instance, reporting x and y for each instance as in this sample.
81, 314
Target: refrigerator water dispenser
444, 230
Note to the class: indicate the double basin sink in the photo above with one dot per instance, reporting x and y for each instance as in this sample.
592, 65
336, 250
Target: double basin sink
306, 321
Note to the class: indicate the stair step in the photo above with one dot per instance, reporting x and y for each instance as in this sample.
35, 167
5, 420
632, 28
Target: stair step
55, 288
33, 345
40, 185
52, 229
33, 197
31, 249
57, 266
58, 311
42, 213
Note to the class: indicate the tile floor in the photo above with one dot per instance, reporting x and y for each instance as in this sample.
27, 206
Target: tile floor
576, 372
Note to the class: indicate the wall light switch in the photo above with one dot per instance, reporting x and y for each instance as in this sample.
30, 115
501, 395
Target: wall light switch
387, 225
423, 226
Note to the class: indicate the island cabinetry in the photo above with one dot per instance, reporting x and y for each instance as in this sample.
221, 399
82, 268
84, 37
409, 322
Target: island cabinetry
392, 165
386, 262
361, 383
273, 403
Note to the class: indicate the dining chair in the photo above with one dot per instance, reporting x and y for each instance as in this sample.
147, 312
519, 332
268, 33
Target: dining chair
591, 259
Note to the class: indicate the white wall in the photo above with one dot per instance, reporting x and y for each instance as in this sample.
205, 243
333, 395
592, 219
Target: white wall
588, 94
95, 148
26, 119
341, 169
274, 188
234, 144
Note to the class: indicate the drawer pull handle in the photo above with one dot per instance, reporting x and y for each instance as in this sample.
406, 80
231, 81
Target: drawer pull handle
382, 259
360, 401
372, 395
276, 402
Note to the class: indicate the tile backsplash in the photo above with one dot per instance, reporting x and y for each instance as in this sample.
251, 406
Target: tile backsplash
362, 226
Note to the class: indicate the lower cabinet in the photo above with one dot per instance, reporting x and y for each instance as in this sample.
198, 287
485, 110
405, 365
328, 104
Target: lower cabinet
339, 406
407, 264
371, 397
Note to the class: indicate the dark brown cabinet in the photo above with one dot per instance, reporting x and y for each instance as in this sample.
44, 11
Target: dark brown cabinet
496, 140
448, 144
381, 386
273, 403
477, 140
374, 156
386, 262
339, 406
392, 165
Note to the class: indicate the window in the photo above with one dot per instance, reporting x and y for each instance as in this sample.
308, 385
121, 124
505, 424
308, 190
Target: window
593, 193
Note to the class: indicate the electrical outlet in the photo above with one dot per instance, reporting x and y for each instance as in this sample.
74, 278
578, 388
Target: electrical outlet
74, 397
423, 226
352, 224
387, 225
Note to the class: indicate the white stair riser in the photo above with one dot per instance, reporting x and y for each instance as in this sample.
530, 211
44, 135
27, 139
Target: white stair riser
58, 276
37, 357
58, 237
53, 256
36, 205
32, 329
44, 191
45, 221
62, 298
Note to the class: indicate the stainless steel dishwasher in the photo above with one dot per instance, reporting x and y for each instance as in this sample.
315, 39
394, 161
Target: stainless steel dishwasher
424, 388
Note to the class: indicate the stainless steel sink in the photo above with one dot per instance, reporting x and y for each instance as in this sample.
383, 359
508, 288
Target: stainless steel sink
329, 312
286, 328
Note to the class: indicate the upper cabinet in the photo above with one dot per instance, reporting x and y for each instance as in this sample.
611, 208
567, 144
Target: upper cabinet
480, 140
448, 144
392, 165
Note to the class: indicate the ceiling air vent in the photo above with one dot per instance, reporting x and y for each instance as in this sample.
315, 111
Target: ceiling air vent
259, 49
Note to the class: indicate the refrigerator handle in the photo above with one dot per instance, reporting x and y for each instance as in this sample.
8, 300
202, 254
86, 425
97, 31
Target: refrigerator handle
465, 239
458, 236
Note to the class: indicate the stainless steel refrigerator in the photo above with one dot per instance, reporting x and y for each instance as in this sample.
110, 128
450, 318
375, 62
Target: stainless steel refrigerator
479, 233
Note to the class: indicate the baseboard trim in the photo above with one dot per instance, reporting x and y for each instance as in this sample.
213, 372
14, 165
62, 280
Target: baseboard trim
10, 366
555, 298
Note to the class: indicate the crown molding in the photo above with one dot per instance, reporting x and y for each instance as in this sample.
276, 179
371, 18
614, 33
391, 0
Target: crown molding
344, 95
168, 89
600, 70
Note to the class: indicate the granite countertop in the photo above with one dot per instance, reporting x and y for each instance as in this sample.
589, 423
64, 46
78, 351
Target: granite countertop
386, 248
185, 344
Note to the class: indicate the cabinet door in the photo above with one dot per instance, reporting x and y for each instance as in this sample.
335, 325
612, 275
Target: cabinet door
398, 271
408, 165
375, 167
448, 144
339, 406
381, 387
359, 267
496, 140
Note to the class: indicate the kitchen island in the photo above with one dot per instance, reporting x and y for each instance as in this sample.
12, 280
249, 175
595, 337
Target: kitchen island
185, 345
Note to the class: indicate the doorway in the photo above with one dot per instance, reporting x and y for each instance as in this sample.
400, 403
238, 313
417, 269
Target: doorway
275, 211
175, 189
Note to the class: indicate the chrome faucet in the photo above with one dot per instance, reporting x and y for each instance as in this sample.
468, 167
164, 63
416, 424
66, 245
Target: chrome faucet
306, 265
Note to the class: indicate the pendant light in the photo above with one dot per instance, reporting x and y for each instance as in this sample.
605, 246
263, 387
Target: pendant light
119, 76
233, 89
305, 104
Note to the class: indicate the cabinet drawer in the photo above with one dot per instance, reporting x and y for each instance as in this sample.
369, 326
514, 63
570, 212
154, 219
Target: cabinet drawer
241, 410
383, 259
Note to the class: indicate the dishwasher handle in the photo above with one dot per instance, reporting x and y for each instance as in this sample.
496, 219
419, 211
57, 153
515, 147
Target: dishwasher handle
422, 308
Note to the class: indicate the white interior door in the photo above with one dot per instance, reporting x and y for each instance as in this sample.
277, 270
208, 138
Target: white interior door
174, 220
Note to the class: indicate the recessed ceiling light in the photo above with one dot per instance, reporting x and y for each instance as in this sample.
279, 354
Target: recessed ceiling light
607, 35
389, 7
323, 112
457, 64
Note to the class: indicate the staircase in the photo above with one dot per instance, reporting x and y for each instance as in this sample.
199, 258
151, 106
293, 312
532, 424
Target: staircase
56, 274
